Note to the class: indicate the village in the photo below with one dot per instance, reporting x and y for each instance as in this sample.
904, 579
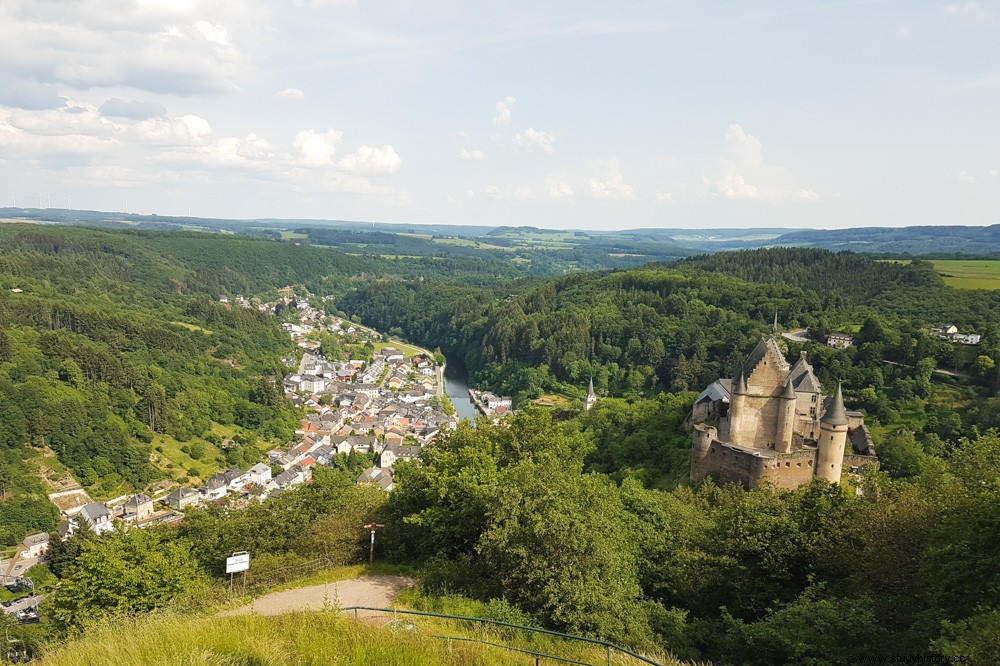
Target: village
380, 407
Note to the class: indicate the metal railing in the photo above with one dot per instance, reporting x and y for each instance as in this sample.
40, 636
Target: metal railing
610, 648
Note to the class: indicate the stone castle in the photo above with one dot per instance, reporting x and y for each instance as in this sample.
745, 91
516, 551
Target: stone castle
772, 423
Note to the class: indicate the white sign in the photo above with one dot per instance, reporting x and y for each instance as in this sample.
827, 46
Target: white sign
238, 562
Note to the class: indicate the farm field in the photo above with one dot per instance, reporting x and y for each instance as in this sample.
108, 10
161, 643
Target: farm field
969, 273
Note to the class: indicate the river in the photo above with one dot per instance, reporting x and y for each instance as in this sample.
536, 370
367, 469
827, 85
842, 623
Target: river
458, 393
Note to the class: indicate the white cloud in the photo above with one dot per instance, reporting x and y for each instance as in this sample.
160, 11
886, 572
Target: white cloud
535, 141
371, 160
133, 109
745, 149
743, 174
183, 131
250, 151
291, 93
665, 197
503, 111
610, 184
556, 188
963, 177
734, 186
316, 149
163, 47
507, 192
994, 172
471, 155
958, 8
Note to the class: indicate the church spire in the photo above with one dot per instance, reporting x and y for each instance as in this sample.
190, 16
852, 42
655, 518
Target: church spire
774, 328
591, 396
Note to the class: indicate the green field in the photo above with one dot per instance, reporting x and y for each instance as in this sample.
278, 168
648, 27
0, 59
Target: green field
968, 273
293, 235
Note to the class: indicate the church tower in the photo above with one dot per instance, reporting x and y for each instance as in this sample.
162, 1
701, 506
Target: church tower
832, 439
591, 397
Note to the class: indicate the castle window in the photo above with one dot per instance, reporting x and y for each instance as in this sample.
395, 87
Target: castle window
798, 464
809, 462
788, 464
712, 450
814, 397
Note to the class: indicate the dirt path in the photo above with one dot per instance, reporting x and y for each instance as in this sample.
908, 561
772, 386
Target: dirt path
374, 591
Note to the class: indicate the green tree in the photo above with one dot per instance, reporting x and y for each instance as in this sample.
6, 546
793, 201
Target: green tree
124, 574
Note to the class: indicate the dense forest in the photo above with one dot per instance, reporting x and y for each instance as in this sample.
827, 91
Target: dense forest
580, 522
512, 522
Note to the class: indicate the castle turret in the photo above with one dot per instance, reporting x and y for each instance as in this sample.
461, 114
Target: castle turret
591, 396
832, 439
702, 439
737, 403
786, 419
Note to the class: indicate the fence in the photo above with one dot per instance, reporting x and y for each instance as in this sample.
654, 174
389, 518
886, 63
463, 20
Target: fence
252, 583
610, 649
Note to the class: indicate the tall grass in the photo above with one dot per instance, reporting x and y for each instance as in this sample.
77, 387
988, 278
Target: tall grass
297, 639
300, 639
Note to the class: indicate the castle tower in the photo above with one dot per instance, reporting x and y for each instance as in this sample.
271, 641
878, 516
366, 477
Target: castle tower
786, 419
702, 439
832, 440
591, 397
737, 404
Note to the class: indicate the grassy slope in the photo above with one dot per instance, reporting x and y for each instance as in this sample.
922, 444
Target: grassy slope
299, 638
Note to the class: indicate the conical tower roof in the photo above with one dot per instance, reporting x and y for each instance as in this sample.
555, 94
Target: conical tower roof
836, 414
590, 389
740, 387
789, 391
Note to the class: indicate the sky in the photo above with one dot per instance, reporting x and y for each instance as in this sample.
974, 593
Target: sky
585, 115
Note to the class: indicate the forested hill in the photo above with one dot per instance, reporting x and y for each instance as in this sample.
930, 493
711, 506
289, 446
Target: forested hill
819, 270
635, 330
665, 327
910, 290
109, 339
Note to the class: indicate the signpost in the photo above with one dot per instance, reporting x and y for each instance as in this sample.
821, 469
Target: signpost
240, 561
371, 549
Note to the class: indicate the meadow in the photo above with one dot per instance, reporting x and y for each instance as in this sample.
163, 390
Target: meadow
969, 273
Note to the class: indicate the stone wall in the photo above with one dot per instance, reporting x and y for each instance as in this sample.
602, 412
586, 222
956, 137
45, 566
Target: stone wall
729, 465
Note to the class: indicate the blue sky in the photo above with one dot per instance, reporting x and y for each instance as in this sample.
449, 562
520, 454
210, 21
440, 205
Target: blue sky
556, 114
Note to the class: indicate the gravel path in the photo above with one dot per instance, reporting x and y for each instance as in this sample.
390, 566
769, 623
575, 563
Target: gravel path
374, 591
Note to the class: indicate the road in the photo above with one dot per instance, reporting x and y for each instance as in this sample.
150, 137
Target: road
26, 602
374, 591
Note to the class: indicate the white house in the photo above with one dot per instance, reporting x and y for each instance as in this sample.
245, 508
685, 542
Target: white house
259, 474
96, 517
36, 545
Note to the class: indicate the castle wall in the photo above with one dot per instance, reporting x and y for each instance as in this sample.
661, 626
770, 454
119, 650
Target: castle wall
730, 465
789, 470
757, 422
808, 406
767, 376
856, 463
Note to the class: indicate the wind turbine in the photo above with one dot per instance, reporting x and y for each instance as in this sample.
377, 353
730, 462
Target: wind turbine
13, 200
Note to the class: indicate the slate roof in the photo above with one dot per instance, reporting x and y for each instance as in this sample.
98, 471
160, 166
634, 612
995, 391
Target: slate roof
835, 413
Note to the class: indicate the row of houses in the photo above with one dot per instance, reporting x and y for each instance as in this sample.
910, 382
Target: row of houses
951, 332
